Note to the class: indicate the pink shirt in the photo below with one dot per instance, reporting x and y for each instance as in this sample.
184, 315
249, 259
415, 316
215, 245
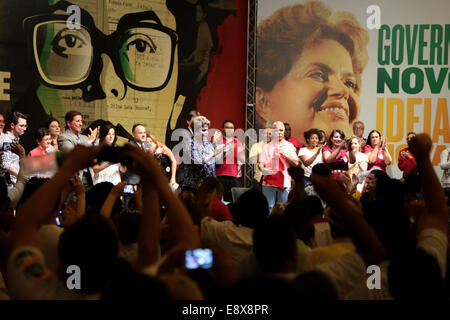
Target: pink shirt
379, 163
36, 152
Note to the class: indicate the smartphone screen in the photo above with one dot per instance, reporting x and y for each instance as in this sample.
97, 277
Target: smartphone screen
129, 188
199, 258
6, 146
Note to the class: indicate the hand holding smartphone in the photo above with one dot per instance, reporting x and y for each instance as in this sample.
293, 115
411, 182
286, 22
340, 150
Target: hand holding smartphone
199, 259
130, 189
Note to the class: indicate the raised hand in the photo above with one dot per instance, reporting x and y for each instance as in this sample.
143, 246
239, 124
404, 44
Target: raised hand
297, 173
217, 136
77, 185
94, 134
18, 149
420, 146
80, 157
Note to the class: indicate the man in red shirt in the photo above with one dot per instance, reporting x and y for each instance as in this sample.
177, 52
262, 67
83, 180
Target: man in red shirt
229, 171
406, 160
275, 159
287, 135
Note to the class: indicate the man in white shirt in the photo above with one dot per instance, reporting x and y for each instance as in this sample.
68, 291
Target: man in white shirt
17, 123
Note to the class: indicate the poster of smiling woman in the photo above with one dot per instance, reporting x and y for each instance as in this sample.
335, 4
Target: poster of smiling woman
128, 61
326, 64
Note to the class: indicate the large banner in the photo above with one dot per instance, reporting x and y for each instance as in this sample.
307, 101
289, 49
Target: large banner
127, 61
385, 63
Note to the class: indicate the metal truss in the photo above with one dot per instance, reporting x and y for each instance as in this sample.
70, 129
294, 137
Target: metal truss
251, 76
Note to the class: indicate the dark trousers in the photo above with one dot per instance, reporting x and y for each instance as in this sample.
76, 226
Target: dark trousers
228, 183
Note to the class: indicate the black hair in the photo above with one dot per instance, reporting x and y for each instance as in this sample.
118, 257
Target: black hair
14, 117
130, 285
413, 274
368, 137
129, 226
310, 132
41, 133
330, 138
315, 286
321, 169
387, 215
97, 195
136, 125
49, 121
273, 243
226, 121
70, 115
91, 244
251, 208
104, 130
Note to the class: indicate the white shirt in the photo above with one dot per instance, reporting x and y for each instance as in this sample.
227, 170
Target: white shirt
236, 241
348, 273
309, 154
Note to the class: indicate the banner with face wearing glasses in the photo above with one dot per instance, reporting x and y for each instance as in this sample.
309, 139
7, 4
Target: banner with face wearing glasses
127, 62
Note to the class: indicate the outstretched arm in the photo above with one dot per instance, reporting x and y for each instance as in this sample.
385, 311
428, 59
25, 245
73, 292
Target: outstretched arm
181, 228
108, 205
366, 241
436, 213
41, 204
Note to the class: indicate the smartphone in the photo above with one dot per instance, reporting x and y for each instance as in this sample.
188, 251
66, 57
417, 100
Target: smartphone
6, 146
130, 188
199, 259
59, 218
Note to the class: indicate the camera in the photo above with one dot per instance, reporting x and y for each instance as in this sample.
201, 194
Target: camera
6, 146
199, 259
58, 222
58, 219
130, 188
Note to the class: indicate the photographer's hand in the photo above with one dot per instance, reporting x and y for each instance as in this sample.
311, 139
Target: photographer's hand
108, 205
155, 186
18, 149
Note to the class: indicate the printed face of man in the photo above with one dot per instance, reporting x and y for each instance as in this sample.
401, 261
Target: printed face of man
146, 58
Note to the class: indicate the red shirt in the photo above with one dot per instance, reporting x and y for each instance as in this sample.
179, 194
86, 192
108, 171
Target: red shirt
297, 144
271, 158
219, 211
406, 165
230, 166
36, 152
379, 163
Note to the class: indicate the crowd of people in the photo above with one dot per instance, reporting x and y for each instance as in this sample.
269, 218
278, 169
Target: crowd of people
315, 220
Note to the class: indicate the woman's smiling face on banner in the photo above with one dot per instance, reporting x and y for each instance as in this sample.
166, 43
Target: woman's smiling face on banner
318, 91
